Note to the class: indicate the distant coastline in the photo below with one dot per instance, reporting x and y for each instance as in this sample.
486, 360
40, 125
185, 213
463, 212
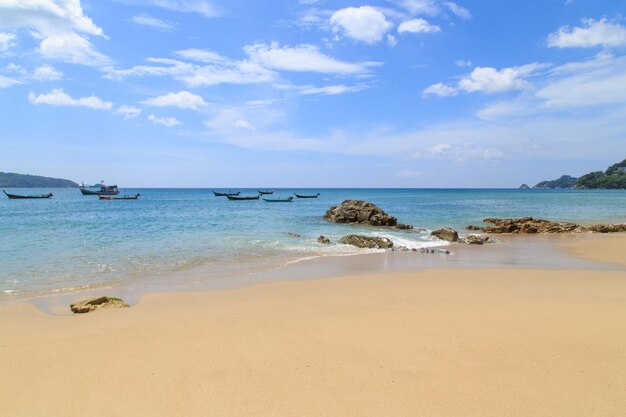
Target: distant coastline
13, 180
613, 178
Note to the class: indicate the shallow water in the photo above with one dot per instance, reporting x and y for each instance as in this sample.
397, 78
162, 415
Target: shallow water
73, 242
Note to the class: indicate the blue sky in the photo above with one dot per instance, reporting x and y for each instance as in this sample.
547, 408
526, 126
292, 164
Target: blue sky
392, 93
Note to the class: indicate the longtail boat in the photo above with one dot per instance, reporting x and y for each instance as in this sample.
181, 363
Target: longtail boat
226, 194
266, 192
20, 197
99, 189
307, 196
279, 200
126, 197
236, 198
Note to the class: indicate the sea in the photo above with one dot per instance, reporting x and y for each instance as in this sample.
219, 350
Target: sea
71, 242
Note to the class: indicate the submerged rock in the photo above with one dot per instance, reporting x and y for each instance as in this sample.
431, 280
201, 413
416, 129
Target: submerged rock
527, 225
608, 228
360, 212
295, 235
91, 304
370, 242
478, 240
446, 233
323, 239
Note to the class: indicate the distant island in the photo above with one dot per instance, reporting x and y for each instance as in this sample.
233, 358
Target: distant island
12, 180
613, 178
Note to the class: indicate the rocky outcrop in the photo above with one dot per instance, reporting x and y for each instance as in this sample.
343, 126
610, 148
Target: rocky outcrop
370, 242
91, 304
323, 239
360, 212
527, 225
435, 250
524, 187
477, 240
608, 228
446, 233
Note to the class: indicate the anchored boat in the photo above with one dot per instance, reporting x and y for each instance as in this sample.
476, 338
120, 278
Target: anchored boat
20, 197
279, 200
236, 198
307, 196
99, 189
126, 197
226, 194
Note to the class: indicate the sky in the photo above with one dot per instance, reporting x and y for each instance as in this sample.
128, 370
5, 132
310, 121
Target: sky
312, 93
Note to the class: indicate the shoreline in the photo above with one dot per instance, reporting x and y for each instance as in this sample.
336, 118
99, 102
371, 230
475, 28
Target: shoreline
507, 341
552, 251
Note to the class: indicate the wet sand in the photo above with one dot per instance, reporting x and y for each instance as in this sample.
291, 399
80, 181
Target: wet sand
508, 341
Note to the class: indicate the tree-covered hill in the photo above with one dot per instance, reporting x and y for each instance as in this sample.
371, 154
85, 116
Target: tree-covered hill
565, 181
613, 178
12, 180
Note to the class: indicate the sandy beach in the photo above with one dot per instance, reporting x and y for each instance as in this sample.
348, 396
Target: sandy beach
440, 342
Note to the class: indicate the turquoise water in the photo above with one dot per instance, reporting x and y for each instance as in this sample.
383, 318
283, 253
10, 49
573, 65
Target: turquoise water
72, 242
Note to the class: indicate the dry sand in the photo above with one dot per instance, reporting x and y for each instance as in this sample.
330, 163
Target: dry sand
508, 342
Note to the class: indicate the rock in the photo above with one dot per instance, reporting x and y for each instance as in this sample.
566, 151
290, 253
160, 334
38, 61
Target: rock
477, 240
323, 239
524, 187
608, 228
437, 250
401, 249
446, 233
371, 242
91, 304
296, 235
527, 225
402, 226
360, 212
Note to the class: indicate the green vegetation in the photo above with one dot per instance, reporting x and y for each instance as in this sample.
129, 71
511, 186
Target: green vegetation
11, 180
564, 182
613, 178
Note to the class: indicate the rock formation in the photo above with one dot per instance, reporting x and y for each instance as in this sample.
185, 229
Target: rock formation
91, 304
446, 233
527, 225
608, 228
371, 242
360, 212
323, 239
477, 240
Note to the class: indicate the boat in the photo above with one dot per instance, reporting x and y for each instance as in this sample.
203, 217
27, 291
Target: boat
226, 194
19, 197
99, 189
266, 192
307, 196
125, 197
236, 198
279, 200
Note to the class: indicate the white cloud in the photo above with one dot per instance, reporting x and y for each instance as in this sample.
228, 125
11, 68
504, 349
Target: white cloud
46, 73
165, 121
418, 26
57, 97
460, 11
593, 33
490, 80
301, 58
60, 26
463, 63
201, 55
440, 90
7, 41
391, 40
366, 24
420, 7
8, 81
202, 7
182, 99
331, 89
128, 112
147, 20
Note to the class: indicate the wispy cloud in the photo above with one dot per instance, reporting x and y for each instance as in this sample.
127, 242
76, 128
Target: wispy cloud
593, 33
182, 100
202, 7
129, 112
57, 97
164, 121
147, 20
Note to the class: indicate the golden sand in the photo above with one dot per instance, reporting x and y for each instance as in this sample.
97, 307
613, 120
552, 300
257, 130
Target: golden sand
507, 342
